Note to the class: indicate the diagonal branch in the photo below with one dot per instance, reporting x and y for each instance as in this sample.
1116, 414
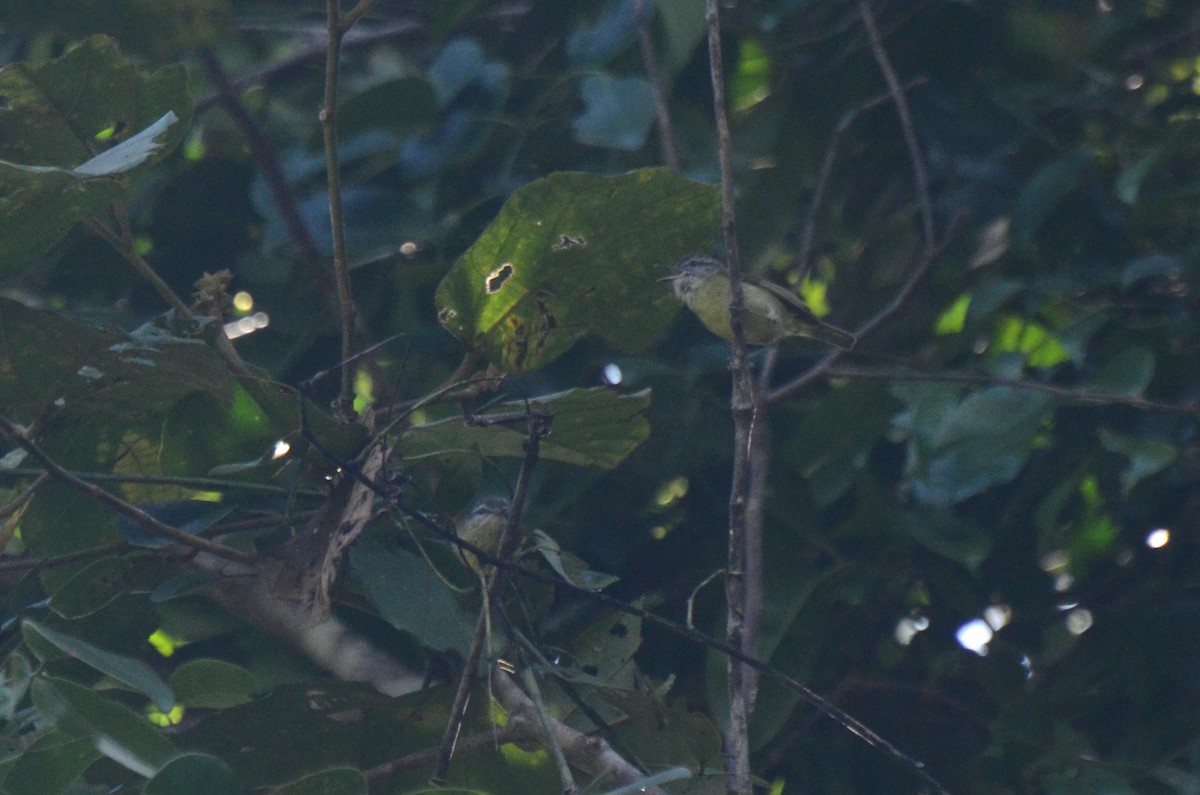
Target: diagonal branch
906, 125
151, 525
538, 426
821, 369
267, 158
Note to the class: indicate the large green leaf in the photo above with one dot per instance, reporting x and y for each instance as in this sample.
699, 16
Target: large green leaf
159, 27
619, 111
410, 597
55, 115
574, 254
589, 427
959, 448
337, 781
49, 362
213, 684
115, 731
127, 670
188, 774
50, 765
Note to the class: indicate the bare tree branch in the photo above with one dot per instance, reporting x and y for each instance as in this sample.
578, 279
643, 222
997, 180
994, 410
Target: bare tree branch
135, 514
818, 196
495, 583
744, 406
666, 132
265, 155
341, 266
910, 137
821, 368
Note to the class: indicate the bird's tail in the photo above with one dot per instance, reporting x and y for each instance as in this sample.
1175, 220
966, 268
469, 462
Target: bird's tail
833, 335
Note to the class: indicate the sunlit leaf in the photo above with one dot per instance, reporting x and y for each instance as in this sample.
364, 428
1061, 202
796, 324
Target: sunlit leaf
127, 670
589, 427
574, 254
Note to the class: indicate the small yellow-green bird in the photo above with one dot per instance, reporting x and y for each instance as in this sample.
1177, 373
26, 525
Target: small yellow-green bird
482, 527
771, 312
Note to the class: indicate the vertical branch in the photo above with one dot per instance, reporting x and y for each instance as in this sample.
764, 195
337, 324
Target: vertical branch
920, 177
818, 194
743, 408
338, 25
538, 426
666, 132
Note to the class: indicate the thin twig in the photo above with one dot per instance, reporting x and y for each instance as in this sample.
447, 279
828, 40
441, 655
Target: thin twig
513, 732
135, 514
123, 245
821, 368
23, 564
263, 151
1072, 394
13, 508
744, 407
529, 679
270, 73
910, 137
593, 755
818, 195
198, 484
337, 219
19, 502
495, 583
814, 699
351, 17
666, 132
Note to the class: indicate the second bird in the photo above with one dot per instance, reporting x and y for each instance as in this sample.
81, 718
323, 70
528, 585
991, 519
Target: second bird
771, 312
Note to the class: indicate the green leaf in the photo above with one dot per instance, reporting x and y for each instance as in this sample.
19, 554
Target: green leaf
1126, 373
311, 726
590, 427
50, 765
202, 435
574, 254
618, 112
954, 318
1152, 265
832, 440
1147, 456
49, 363
337, 781
114, 730
940, 531
162, 29
188, 774
134, 673
190, 516
213, 684
410, 596
959, 449
1129, 182
55, 115
604, 651
16, 672
570, 567
1042, 195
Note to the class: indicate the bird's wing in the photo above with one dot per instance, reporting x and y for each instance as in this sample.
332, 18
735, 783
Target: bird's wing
791, 299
